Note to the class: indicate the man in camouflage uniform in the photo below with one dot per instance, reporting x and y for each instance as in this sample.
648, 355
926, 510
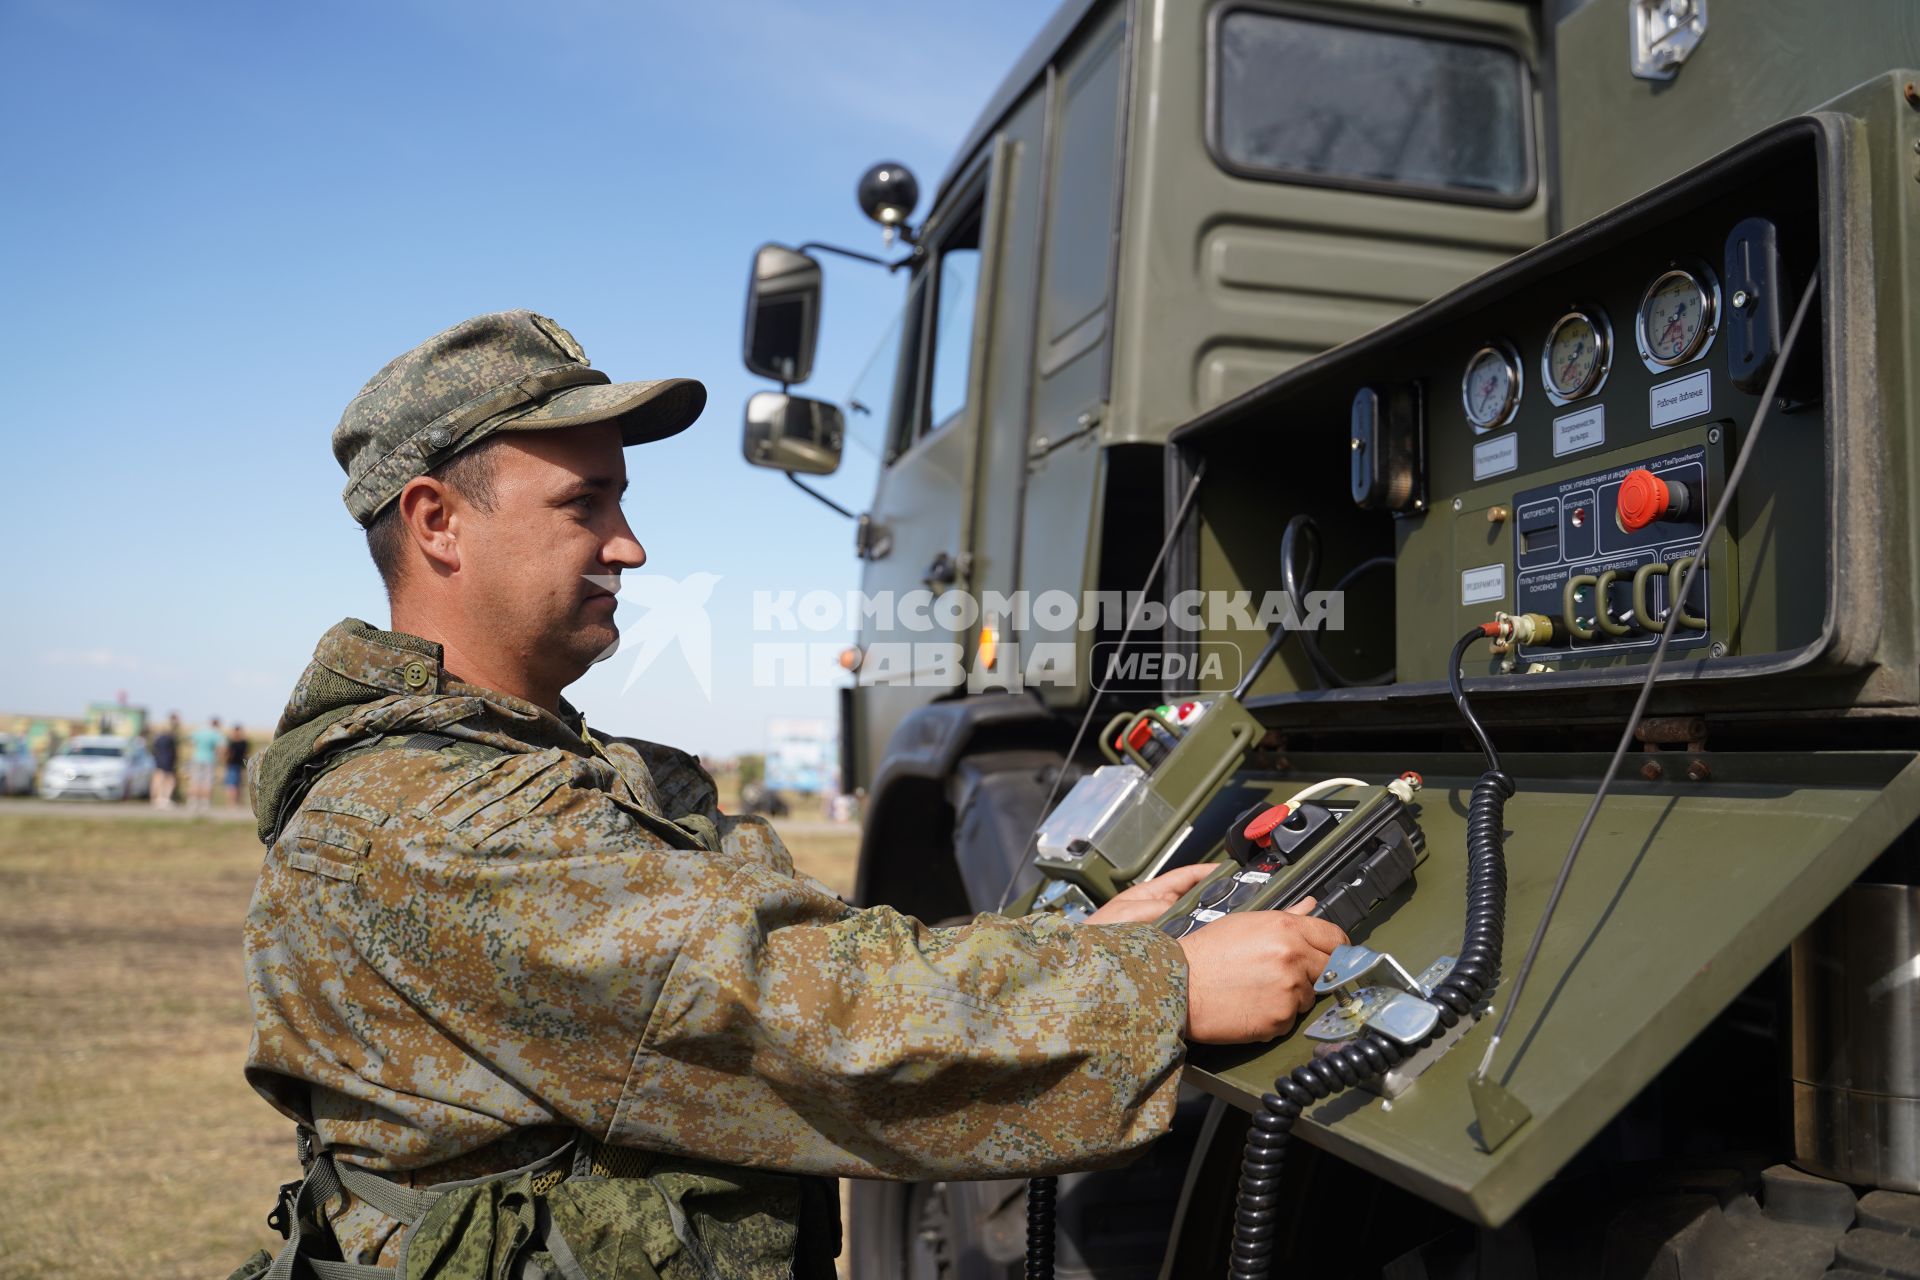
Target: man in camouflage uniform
485, 937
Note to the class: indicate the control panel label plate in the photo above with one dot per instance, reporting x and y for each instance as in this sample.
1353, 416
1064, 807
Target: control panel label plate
1586, 429
1683, 398
1488, 582
1497, 456
1566, 529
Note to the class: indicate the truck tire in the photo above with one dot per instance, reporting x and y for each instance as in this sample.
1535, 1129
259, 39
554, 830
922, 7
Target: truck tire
936, 1230
997, 799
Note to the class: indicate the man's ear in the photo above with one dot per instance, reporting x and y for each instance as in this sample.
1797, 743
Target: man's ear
430, 512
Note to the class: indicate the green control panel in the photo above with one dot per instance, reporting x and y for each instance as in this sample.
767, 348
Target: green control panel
1551, 439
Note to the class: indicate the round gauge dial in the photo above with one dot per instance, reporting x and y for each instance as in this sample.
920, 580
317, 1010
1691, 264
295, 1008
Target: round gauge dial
1676, 317
1490, 388
1575, 359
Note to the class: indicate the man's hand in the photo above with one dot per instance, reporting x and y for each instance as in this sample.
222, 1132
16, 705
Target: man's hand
1149, 900
1250, 974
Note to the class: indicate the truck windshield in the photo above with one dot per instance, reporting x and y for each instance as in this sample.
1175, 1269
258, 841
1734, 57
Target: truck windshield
1303, 100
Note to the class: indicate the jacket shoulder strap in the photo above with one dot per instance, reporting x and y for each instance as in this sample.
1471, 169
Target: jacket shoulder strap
314, 770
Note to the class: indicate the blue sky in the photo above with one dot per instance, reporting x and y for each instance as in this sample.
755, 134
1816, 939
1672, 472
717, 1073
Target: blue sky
220, 218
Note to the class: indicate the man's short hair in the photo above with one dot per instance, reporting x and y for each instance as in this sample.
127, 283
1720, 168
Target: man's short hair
468, 473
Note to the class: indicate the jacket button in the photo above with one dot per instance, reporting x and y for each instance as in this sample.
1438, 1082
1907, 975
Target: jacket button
415, 675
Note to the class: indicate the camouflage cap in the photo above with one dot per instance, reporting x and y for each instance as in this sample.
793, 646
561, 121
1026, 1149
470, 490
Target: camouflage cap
506, 371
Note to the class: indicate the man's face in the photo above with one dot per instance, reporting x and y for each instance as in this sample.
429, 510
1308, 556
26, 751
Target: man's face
556, 523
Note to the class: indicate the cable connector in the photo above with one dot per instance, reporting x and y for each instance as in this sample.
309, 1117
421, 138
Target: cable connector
1520, 628
1403, 787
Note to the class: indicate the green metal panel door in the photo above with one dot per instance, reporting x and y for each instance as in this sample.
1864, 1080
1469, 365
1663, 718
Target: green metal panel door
1684, 892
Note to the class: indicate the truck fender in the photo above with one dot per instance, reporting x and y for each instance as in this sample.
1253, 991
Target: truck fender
934, 843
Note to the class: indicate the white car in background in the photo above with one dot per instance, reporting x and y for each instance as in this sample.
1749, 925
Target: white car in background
100, 766
17, 765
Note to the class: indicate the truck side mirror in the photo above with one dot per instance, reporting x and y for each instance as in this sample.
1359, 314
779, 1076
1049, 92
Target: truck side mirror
793, 433
783, 314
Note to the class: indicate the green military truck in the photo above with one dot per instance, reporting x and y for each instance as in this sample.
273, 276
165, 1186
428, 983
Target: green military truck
1577, 338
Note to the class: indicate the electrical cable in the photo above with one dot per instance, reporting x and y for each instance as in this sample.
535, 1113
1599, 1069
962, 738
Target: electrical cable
1093, 697
1378, 562
1296, 583
1478, 971
1460, 694
1321, 788
1260, 662
1347, 579
1042, 1191
1678, 598
1475, 973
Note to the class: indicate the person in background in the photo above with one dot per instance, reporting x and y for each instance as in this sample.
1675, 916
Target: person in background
207, 744
236, 763
166, 762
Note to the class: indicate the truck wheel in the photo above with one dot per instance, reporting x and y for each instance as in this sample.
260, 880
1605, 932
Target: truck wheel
935, 1230
929, 1231
997, 799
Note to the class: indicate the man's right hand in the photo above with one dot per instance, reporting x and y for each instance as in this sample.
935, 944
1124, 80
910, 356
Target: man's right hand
1250, 974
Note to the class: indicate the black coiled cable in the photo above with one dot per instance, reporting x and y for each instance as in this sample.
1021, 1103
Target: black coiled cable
1475, 973
1040, 1204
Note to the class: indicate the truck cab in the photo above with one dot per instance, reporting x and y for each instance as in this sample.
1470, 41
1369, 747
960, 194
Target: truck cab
1203, 269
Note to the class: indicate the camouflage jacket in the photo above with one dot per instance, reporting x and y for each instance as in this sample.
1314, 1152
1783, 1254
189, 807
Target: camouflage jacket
498, 922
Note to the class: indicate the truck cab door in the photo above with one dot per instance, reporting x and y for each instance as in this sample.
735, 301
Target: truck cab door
915, 540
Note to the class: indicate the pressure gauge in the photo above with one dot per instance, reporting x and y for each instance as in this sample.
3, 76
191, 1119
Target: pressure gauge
1490, 388
1677, 317
1574, 361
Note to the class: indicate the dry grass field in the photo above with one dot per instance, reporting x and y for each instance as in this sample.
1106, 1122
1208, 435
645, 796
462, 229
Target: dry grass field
132, 1145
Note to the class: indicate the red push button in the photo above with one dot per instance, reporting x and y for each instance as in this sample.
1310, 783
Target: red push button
1260, 830
1644, 498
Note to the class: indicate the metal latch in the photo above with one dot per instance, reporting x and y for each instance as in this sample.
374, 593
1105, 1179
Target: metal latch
1067, 899
1665, 34
1397, 1004
871, 540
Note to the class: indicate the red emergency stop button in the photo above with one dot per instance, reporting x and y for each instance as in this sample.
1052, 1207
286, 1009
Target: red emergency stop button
1260, 830
1645, 498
